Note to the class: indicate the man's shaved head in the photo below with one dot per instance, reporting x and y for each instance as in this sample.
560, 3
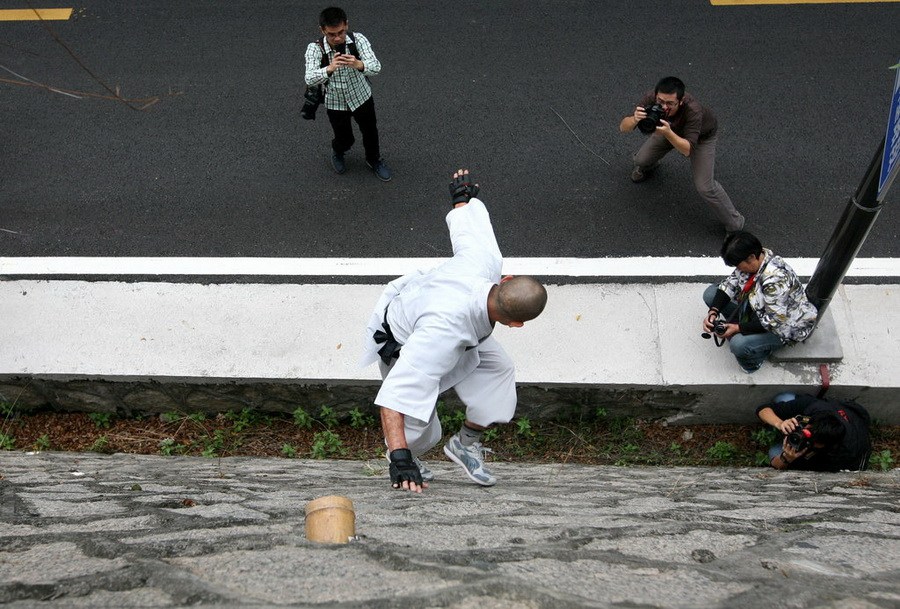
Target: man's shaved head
521, 298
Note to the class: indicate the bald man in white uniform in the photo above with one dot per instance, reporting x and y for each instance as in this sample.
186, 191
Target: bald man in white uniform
432, 332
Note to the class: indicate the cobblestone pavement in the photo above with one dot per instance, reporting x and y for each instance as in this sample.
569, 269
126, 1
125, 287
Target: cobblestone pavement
89, 530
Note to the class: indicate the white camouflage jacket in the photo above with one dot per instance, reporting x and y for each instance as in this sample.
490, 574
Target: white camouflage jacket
777, 298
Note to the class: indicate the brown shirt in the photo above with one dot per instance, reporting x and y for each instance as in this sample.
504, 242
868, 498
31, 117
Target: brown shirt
694, 121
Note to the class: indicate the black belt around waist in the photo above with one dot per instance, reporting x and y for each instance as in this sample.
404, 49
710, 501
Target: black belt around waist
390, 350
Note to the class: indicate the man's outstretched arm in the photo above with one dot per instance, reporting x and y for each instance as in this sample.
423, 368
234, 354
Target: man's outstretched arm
404, 471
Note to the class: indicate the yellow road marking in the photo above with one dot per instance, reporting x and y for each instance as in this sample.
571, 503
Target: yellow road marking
745, 2
28, 14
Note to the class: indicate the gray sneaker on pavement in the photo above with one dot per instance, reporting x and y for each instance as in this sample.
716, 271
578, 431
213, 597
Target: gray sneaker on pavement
427, 474
471, 459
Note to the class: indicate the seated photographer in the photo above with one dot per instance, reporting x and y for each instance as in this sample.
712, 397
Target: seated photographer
819, 435
763, 303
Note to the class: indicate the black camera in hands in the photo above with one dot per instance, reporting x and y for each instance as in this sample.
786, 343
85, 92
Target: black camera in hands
801, 438
649, 123
312, 99
719, 328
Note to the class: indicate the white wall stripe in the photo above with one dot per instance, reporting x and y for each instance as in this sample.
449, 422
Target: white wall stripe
646, 266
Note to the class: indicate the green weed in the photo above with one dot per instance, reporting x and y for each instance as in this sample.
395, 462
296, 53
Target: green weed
490, 434
452, 420
761, 459
722, 451
168, 447
102, 420
7, 442
100, 445
42, 443
289, 451
764, 437
245, 419
213, 445
881, 460
302, 418
523, 428
328, 417
361, 420
326, 444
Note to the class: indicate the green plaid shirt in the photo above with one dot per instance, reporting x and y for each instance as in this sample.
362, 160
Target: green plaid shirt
346, 88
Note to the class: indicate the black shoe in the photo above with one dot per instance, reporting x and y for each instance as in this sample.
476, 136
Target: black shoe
337, 161
639, 174
381, 170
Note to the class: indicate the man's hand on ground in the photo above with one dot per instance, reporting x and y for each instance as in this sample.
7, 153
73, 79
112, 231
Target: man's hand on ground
405, 473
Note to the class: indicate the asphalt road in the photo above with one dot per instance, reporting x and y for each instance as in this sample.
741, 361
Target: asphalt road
222, 164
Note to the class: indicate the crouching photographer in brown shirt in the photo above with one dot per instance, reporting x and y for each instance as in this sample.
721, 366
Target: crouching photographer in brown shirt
675, 119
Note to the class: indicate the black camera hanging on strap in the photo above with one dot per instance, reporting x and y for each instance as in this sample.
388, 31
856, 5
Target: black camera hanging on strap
315, 94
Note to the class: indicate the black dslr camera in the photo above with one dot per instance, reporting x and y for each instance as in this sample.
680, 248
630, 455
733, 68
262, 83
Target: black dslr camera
655, 114
801, 438
312, 99
719, 328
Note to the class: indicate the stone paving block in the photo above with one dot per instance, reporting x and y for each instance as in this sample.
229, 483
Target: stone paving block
636, 586
226, 511
858, 556
144, 597
68, 509
50, 562
689, 548
310, 574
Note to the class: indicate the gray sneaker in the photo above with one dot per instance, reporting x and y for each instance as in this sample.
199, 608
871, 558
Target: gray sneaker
427, 474
471, 459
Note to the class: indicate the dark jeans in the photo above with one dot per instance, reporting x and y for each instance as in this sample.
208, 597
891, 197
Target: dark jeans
750, 350
368, 127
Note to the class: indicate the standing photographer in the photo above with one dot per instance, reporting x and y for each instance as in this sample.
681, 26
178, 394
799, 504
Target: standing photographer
763, 302
819, 435
343, 61
677, 120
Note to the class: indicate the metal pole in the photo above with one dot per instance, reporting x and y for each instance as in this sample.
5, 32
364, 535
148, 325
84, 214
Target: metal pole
847, 238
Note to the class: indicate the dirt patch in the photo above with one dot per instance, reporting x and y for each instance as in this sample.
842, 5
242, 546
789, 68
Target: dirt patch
601, 440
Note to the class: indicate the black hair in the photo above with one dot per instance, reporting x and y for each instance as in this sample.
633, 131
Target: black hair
332, 16
670, 84
826, 428
739, 246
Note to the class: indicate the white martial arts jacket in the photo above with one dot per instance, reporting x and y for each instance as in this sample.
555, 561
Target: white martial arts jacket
436, 315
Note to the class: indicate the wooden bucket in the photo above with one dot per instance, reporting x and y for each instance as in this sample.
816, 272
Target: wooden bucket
330, 519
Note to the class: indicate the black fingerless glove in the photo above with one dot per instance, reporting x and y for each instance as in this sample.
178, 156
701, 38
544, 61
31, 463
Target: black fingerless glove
462, 188
403, 468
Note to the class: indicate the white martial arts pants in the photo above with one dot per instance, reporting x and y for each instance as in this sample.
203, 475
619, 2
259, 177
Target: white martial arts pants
489, 394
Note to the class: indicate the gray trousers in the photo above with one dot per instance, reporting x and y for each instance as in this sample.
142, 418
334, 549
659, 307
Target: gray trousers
703, 163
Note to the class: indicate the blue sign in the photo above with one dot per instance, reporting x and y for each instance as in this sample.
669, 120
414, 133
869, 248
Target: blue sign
890, 164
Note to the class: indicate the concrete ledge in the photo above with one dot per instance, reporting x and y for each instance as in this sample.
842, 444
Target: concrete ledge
612, 338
